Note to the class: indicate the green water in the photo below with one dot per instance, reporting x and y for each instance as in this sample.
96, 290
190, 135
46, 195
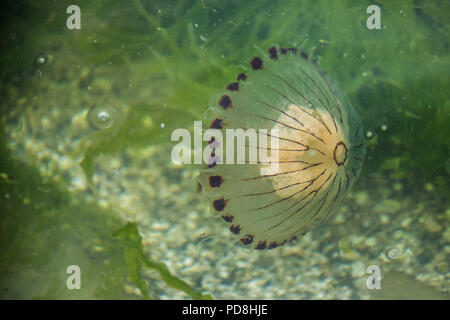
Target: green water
158, 65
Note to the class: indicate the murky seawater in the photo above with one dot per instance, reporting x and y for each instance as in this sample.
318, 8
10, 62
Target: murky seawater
88, 183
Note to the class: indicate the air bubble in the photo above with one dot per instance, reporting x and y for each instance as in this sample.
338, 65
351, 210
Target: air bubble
42, 58
369, 134
393, 253
384, 127
101, 117
246, 250
202, 239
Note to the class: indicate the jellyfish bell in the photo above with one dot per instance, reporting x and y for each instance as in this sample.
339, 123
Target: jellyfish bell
315, 134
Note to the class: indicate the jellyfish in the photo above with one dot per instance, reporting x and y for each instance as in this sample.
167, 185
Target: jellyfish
319, 144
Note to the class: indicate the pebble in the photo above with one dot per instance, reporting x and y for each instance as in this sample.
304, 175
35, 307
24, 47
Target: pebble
361, 198
358, 269
432, 225
442, 267
66, 162
339, 218
160, 226
45, 122
370, 242
79, 183
387, 206
446, 235
406, 222
385, 219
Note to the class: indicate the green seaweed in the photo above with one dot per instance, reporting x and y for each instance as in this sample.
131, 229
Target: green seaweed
135, 259
44, 229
